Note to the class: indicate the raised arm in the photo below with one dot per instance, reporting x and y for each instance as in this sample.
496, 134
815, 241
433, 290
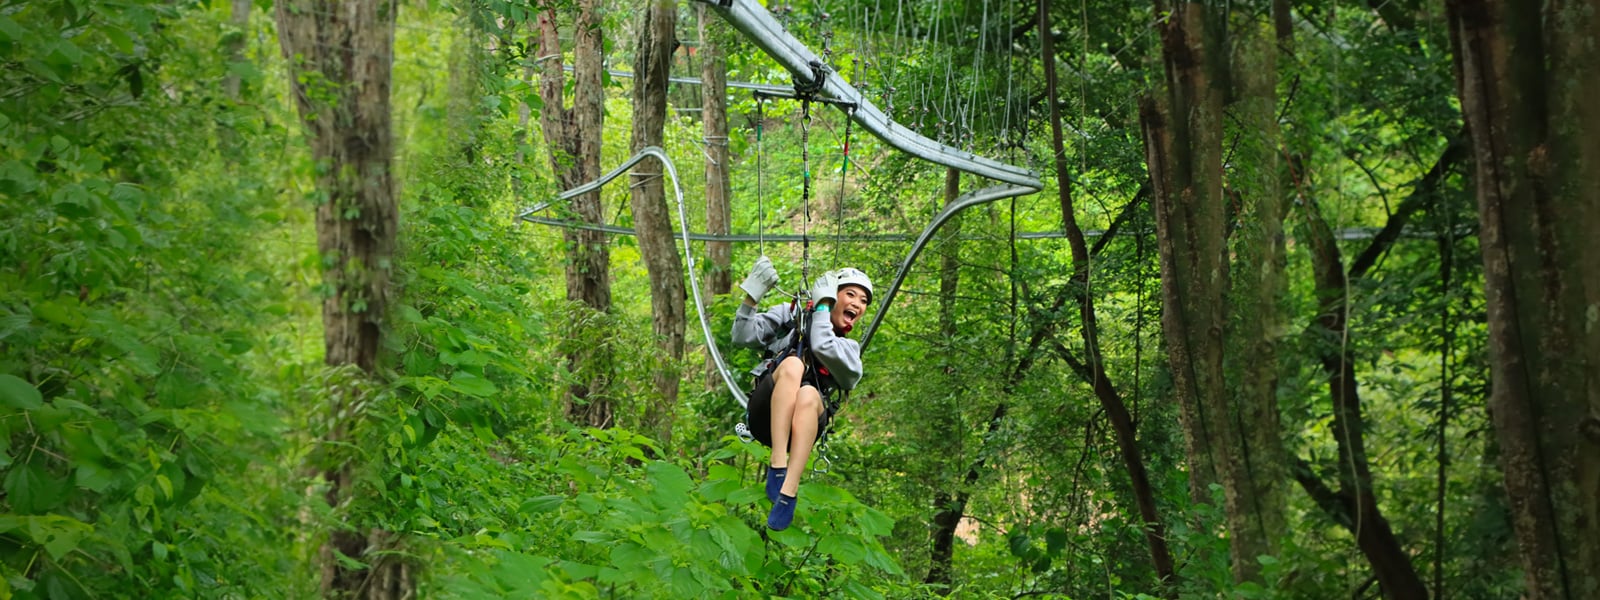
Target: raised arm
842, 356
759, 330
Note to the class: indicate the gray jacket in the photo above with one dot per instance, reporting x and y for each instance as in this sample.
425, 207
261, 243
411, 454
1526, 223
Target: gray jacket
774, 331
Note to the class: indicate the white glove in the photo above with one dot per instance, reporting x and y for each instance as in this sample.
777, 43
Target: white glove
825, 287
762, 278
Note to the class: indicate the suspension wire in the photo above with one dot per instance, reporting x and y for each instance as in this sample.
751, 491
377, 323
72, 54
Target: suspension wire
844, 173
761, 213
805, 192
977, 73
1006, 104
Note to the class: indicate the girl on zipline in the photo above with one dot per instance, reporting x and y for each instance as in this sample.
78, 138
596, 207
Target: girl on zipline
788, 409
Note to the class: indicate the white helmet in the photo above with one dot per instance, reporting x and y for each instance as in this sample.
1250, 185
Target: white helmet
853, 276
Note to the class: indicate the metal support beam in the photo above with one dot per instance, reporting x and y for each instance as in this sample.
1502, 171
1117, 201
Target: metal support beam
750, 18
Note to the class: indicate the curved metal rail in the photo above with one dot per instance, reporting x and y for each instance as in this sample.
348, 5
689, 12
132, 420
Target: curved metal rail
962, 202
750, 18
754, 21
683, 222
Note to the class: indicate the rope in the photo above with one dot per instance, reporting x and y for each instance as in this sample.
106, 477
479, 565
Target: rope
805, 192
761, 214
844, 173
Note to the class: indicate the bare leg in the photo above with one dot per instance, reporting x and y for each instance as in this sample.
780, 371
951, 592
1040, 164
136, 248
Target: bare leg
785, 385
807, 412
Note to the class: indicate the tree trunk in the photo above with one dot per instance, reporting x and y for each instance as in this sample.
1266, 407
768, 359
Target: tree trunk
714, 122
946, 436
1183, 130
573, 139
1528, 88
1094, 372
651, 66
1390, 562
239, 20
714, 119
1256, 300
1183, 143
347, 47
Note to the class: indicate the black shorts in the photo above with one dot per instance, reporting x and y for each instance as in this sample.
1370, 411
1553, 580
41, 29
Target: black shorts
761, 404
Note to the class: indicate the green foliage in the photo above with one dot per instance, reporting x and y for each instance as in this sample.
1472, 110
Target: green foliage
614, 524
161, 384
143, 308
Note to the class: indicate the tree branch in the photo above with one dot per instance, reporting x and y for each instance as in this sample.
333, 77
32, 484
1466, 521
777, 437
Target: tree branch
1422, 195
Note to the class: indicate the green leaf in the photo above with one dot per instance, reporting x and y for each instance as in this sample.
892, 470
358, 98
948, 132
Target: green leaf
671, 483
1042, 564
579, 570
94, 477
844, 548
58, 534
856, 589
56, 312
472, 385
16, 393
13, 323
745, 496
718, 490
1021, 545
165, 484
542, 504
10, 29
792, 537
875, 523
32, 490
1054, 540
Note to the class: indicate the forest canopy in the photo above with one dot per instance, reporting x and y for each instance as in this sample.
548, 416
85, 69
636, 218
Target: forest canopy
1298, 300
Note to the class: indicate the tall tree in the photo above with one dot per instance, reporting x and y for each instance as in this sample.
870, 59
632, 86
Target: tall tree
1183, 127
1093, 369
714, 121
652, 62
719, 188
1528, 87
1355, 504
1259, 286
946, 430
340, 56
239, 19
572, 136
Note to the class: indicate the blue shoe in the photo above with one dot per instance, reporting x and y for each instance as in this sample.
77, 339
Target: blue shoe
782, 512
775, 477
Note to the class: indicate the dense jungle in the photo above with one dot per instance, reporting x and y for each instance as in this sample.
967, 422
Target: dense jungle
1294, 299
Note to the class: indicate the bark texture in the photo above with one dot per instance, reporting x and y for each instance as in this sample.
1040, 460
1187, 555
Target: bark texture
239, 20
946, 418
1183, 145
714, 122
1256, 319
1528, 85
572, 136
719, 189
651, 65
1182, 127
340, 55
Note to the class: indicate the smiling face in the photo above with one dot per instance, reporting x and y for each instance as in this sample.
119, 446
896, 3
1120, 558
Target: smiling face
848, 307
